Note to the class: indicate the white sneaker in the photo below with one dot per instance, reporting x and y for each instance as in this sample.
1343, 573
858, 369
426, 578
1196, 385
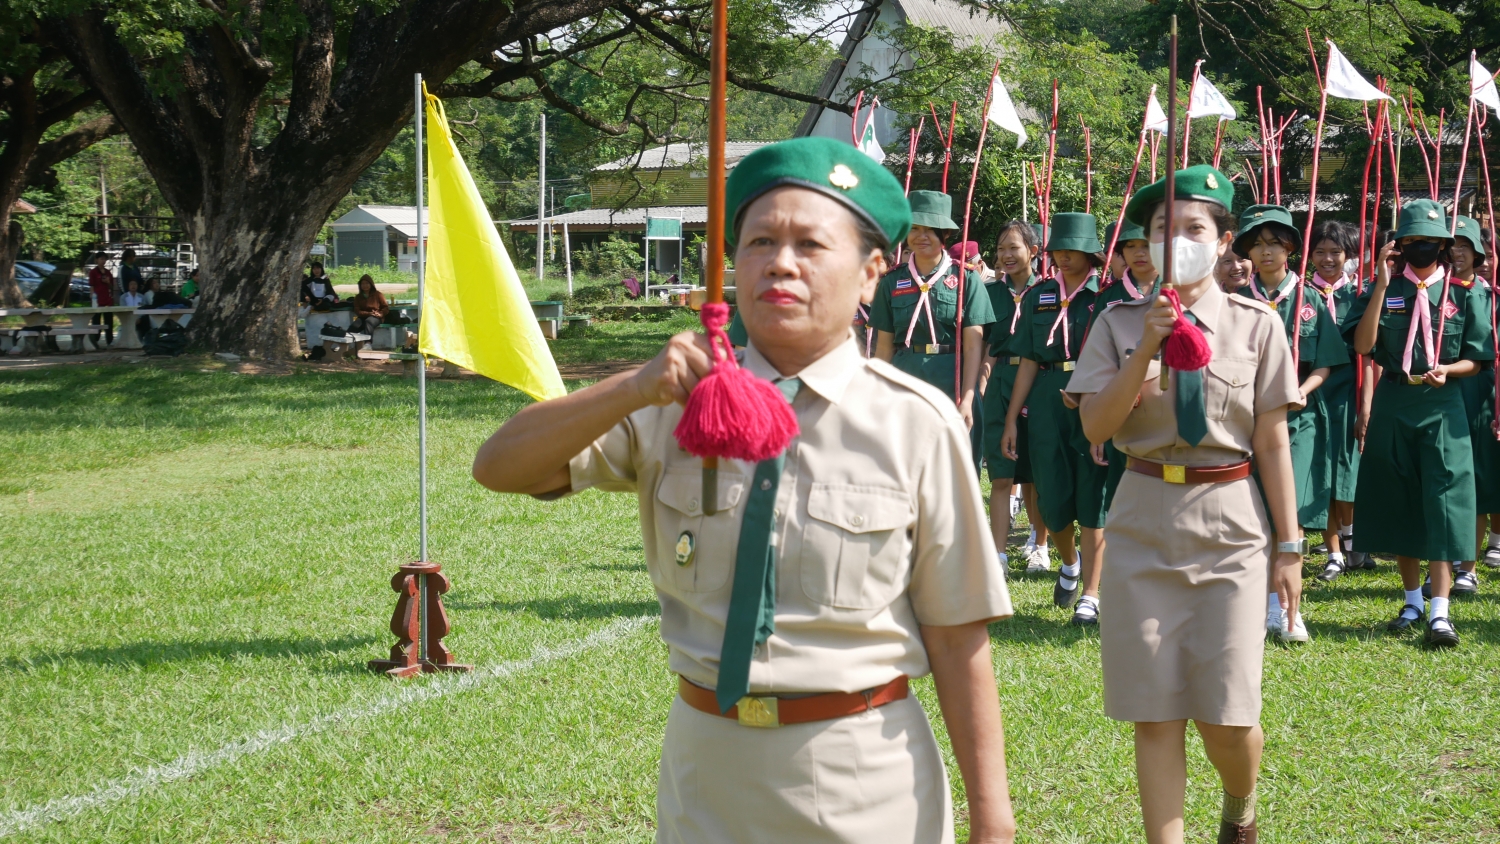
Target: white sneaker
1276, 621
1015, 506
1296, 633
1038, 560
1492, 557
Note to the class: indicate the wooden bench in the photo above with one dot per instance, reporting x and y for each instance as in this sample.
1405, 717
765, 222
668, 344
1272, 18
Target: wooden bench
28, 340
345, 347
409, 362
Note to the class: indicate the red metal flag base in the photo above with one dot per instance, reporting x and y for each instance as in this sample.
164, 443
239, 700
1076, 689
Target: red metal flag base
406, 656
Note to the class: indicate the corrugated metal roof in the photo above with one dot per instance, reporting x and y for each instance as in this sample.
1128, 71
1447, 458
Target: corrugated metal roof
680, 155
966, 22
625, 218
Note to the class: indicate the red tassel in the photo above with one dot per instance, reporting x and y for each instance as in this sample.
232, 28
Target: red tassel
732, 413
1186, 348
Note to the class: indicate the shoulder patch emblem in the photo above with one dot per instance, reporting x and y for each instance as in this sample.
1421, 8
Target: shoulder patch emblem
843, 177
1450, 310
1307, 313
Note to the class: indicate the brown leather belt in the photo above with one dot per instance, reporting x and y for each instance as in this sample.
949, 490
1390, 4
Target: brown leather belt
1175, 474
772, 711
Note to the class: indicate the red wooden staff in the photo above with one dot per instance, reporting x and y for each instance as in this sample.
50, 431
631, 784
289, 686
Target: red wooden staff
1489, 201
947, 140
1046, 209
1140, 145
1265, 145
1463, 158
1312, 205
1187, 117
963, 273
1088, 167
854, 119
1171, 187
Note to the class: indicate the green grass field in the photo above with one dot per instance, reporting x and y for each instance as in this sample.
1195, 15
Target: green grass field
198, 569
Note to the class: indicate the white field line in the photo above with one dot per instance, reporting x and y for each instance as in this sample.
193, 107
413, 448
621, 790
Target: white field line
195, 762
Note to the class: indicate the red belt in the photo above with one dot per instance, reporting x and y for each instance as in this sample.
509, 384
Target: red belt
1175, 474
773, 711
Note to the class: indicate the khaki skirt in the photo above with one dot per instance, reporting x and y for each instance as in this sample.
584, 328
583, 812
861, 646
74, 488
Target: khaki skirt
875, 776
1186, 578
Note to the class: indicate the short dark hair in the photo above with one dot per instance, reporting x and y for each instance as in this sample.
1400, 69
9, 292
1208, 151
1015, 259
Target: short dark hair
1343, 235
316, 265
129, 253
1028, 234
1283, 235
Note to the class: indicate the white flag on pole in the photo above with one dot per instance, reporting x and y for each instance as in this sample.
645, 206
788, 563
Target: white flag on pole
868, 144
1156, 119
1345, 82
1482, 85
1207, 101
1003, 112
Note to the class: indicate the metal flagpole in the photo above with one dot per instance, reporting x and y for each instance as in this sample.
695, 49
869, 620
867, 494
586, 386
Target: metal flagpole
421, 377
541, 196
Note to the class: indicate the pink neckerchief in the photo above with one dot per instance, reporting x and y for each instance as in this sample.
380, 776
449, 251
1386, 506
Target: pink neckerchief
1327, 290
1288, 284
1424, 316
1017, 296
1062, 310
923, 302
863, 319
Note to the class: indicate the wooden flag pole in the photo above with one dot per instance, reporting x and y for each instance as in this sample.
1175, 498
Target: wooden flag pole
713, 274
1312, 209
1140, 145
1463, 159
963, 272
1171, 187
1088, 167
1045, 212
1187, 117
1489, 201
1265, 144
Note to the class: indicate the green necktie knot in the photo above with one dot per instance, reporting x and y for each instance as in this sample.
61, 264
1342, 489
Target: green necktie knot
789, 388
1192, 418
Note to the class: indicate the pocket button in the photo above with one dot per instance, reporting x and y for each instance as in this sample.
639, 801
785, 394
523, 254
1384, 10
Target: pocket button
856, 520
765, 484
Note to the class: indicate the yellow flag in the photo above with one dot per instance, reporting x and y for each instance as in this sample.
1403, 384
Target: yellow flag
474, 310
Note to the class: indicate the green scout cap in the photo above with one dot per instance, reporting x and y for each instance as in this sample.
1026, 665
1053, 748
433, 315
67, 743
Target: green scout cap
1423, 218
1260, 216
1129, 232
1072, 230
931, 209
830, 167
1468, 228
1201, 183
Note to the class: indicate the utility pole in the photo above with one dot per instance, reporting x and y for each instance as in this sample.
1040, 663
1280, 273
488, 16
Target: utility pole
541, 195
103, 201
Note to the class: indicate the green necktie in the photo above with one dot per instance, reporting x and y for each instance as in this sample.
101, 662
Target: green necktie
752, 602
1192, 421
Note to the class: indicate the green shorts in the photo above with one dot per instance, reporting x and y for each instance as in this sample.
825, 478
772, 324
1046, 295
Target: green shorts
1479, 404
1415, 496
1341, 401
1307, 429
996, 405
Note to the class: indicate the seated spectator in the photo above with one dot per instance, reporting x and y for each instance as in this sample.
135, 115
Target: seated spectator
132, 297
317, 289
102, 283
168, 298
190, 287
370, 307
151, 288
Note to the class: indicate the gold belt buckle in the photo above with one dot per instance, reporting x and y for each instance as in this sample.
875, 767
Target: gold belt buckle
1067, 366
1174, 474
1413, 380
1015, 361
758, 711
931, 348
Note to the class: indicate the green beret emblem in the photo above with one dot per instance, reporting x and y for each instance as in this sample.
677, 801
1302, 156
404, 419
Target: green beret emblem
1213, 184
843, 177
1432, 215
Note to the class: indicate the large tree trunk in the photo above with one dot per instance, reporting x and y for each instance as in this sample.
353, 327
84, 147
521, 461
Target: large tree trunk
11, 239
254, 209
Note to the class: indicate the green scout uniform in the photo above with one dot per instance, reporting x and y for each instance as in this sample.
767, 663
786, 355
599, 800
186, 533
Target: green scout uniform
1006, 303
1124, 290
1415, 494
1340, 393
1069, 484
1479, 396
895, 308
1318, 344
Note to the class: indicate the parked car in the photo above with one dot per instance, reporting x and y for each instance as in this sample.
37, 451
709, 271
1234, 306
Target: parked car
28, 279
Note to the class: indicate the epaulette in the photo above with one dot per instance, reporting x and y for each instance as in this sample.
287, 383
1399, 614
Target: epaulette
1141, 301
1254, 303
1464, 284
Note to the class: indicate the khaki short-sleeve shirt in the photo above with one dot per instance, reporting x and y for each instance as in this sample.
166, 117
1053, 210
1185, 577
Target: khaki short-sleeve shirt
1251, 373
880, 527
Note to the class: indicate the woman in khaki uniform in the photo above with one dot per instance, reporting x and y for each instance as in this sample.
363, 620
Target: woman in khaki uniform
1190, 543
830, 574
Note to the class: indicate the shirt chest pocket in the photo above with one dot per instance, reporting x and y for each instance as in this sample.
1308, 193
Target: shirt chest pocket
855, 547
695, 552
1228, 390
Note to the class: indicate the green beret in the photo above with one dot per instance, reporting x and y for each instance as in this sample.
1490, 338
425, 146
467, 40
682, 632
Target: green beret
1078, 232
1468, 228
1259, 216
1129, 232
1201, 183
830, 167
1423, 218
932, 209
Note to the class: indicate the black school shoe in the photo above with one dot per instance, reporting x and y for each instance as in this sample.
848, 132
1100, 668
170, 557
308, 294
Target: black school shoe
1465, 583
1405, 620
1233, 833
1440, 634
1331, 572
1086, 614
1360, 561
1064, 598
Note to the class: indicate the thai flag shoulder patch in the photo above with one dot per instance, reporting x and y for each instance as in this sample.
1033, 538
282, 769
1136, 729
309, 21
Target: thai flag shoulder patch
1395, 303
1046, 299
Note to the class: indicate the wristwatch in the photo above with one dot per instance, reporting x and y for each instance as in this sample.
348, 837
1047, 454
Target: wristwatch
1298, 547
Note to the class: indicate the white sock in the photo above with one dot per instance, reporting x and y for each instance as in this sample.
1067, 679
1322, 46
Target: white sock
1414, 597
1335, 555
1073, 570
1346, 531
1439, 608
1003, 558
1494, 539
1275, 604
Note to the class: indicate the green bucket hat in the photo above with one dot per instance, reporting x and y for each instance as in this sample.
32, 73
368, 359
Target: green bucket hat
830, 167
931, 209
1468, 228
1260, 216
1201, 183
1130, 231
1423, 218
1072, 230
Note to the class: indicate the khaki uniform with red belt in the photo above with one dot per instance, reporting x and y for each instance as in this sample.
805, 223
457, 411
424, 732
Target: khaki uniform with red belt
1188, 536
879, 527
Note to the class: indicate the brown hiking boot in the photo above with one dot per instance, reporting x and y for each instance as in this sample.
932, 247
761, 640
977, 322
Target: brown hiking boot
1233, 833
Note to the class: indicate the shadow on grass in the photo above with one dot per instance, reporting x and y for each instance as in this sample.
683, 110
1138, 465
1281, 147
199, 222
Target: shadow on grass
571, 607
618, 566
147, 654
1042, 629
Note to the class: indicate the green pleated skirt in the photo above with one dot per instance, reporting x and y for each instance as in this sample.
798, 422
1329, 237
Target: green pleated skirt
996, 405
1069, 484
1415, 495
1341, 401
1312, 470
1479, 404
